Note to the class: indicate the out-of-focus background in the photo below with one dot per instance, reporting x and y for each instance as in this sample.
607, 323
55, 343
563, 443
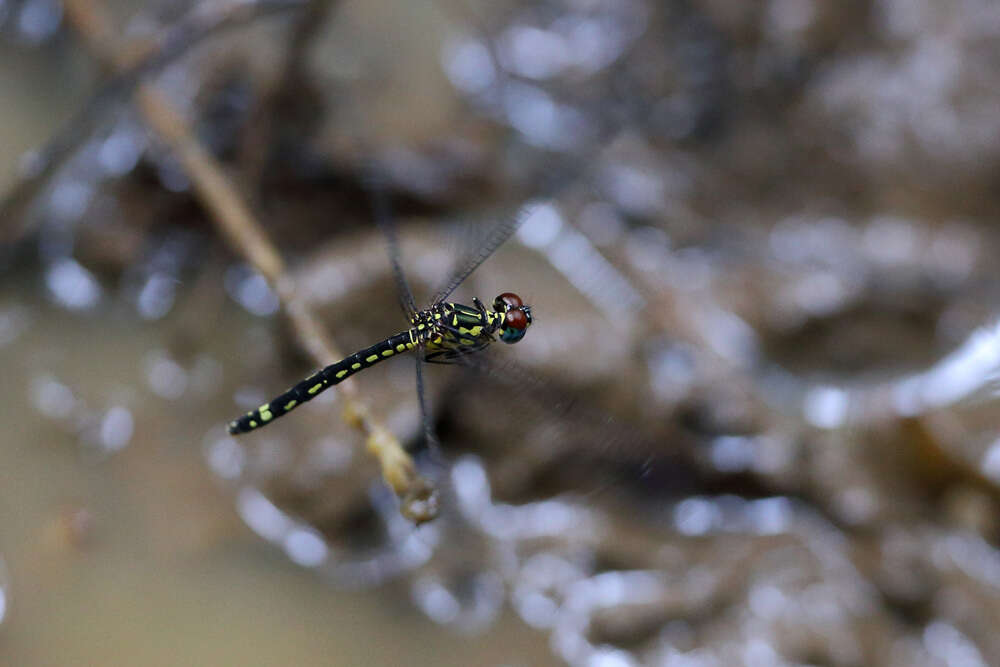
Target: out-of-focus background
755, 421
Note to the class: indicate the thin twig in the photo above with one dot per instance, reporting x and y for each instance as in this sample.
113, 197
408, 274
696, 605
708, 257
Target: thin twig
129, 66
282, 93
246, 235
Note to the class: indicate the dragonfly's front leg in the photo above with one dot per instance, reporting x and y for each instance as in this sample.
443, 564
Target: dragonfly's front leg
488, 323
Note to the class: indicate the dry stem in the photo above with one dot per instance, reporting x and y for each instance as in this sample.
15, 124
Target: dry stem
246, 235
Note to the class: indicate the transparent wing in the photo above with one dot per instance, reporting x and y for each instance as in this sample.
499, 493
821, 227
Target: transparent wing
493, 239
535, 433
429, 435
432, 460
382, 211
531, 399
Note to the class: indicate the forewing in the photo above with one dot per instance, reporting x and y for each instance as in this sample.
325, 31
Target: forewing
382, 211
481, 250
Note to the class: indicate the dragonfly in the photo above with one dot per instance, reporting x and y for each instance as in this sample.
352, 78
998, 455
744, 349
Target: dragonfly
443, 332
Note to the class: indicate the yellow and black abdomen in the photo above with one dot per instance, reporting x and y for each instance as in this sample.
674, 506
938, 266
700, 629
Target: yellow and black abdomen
318, 382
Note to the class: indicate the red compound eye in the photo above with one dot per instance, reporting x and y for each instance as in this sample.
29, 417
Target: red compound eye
516, 319
509, 299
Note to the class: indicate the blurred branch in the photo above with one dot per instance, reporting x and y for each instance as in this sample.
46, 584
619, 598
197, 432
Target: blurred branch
246, 235
282, 93
129, 66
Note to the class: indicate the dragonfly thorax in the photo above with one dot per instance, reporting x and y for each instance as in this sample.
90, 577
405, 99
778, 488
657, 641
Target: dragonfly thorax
447, 330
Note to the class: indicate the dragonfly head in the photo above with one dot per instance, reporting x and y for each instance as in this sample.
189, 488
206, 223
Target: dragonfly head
516, 316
